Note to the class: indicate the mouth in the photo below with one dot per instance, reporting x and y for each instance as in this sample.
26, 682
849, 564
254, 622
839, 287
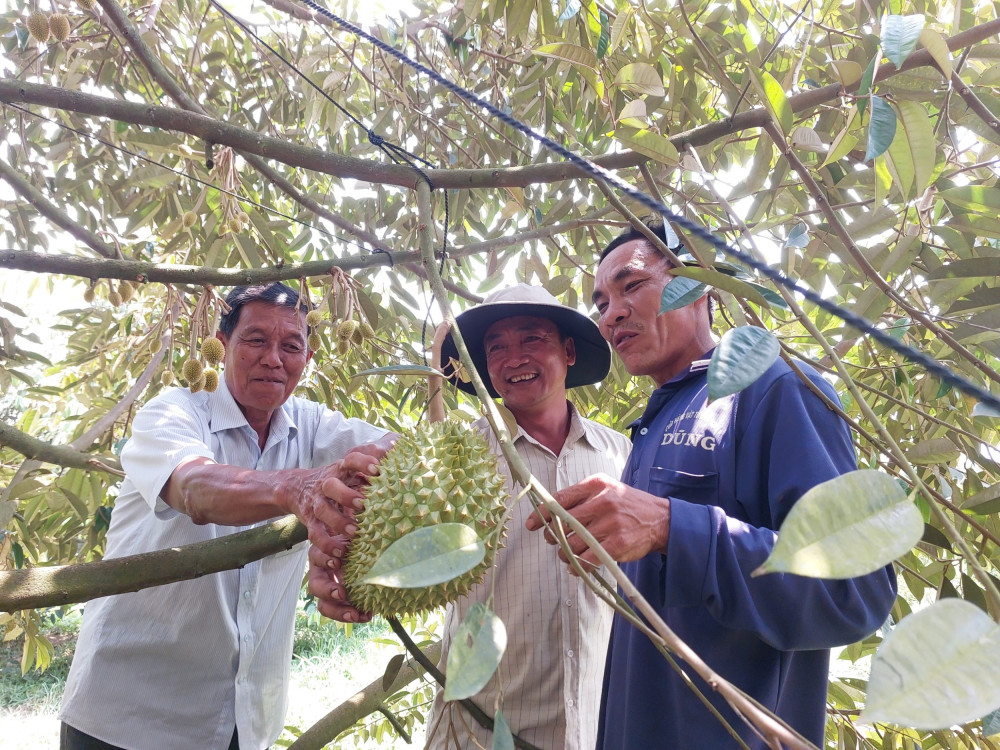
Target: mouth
522, 378
269, 381
622, 338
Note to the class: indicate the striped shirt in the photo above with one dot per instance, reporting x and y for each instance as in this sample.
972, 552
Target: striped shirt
549, 681
178, 666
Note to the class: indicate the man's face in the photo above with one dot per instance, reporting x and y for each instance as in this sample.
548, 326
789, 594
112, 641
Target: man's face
265, 357
527, 362
627, 291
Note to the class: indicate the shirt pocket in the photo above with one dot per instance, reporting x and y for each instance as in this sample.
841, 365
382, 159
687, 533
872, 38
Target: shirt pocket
701, 489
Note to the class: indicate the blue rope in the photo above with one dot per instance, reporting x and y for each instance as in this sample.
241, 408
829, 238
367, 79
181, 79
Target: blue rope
595, 171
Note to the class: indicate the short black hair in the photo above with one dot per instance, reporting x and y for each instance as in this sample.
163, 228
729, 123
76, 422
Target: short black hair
275, 293
654, 224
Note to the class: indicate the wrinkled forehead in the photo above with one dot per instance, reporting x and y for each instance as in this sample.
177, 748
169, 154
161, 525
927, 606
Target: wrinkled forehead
520, 324
259, 315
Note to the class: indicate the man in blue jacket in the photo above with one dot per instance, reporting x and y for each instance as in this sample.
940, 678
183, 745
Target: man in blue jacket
705, 489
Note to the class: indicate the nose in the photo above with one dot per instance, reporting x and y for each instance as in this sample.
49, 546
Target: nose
271, 356
615, 312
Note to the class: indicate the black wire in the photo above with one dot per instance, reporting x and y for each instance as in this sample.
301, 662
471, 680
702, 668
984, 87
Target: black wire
600, 173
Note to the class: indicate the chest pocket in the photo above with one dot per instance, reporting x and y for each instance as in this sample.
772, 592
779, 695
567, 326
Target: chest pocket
702, 489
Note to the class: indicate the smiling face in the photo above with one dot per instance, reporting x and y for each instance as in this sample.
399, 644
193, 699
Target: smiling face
627, 290
265, 357
527, 362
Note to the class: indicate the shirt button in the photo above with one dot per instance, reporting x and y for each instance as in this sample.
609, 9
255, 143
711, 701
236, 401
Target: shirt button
643, 431
246, 594
569, 602
246, 638
569, 653
569, 702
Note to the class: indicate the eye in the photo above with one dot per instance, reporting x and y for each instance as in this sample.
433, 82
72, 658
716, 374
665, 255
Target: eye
254, 341
294, 348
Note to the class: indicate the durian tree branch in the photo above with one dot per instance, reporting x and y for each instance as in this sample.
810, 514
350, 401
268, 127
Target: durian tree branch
99, 427
167, 273
363, 703
250, 143
63, 455
775, 730
58, 585
54, 214
177, 93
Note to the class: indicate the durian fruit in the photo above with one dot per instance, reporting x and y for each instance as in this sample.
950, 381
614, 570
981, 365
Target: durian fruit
346, 329
89, 295
190, 217
443, 473
192, 371
86, 4
167, 378
38, 26
367, 332
115, 298
211, 378
59, 26
343, 346
213, 351
315, 341
126, 291
196, 385
313, 318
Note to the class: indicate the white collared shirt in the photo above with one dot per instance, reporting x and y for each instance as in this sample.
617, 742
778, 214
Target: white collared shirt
557, 629
177, 666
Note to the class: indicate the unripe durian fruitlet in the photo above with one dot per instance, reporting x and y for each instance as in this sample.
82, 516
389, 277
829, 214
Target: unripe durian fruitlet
126, 291
346, 329
213, 351
167, 378
367, 331
343, 346
190, 218
211, 380
191, 371
38, 26
115, 298
315, 342
86, 4
442, 473
313, 318
198, 384
89, 294
59, 26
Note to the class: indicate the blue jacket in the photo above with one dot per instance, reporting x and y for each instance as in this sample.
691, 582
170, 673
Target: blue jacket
733, 469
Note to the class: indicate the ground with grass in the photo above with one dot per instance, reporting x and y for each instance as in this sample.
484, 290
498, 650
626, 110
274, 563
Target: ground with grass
329, 666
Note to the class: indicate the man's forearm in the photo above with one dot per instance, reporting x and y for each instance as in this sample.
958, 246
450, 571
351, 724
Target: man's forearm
232, 495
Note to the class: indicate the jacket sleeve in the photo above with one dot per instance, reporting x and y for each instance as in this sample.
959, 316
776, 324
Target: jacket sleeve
788, 441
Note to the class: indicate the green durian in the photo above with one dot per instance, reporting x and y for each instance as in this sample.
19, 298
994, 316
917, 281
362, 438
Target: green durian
443, 473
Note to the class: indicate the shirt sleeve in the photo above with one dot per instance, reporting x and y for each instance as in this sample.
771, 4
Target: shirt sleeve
788, 442
165, 431
336, 435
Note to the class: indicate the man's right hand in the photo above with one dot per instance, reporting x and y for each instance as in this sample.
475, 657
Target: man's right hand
326, 585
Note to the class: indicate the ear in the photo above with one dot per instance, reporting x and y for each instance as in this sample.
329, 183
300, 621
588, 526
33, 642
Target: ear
221, 337
570, 351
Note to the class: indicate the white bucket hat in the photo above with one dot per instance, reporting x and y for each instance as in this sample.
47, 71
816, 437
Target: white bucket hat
593, 355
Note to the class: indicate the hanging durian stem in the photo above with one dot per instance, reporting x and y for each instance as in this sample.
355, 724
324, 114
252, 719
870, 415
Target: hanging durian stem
776, 731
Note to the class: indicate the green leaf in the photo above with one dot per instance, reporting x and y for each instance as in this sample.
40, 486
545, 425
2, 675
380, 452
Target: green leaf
571, 9
503, 739
724, 281
984, 410
640, 78
680, 292
773, 298
799, 236
572, 53
844, 142
475, 652
881, 128
848, 526
774, 99
648, 143
420, 370
900, 35
933, 451
743, 355
427, 556
919, 130
865, 87
991, 723
936, 668
937, 47
976, 198
605, 38
619, 26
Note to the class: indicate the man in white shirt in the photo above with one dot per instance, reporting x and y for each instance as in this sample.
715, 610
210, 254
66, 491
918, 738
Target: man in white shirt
204, 663
529, 349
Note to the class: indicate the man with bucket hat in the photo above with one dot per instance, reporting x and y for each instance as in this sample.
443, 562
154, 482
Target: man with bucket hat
528, 349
